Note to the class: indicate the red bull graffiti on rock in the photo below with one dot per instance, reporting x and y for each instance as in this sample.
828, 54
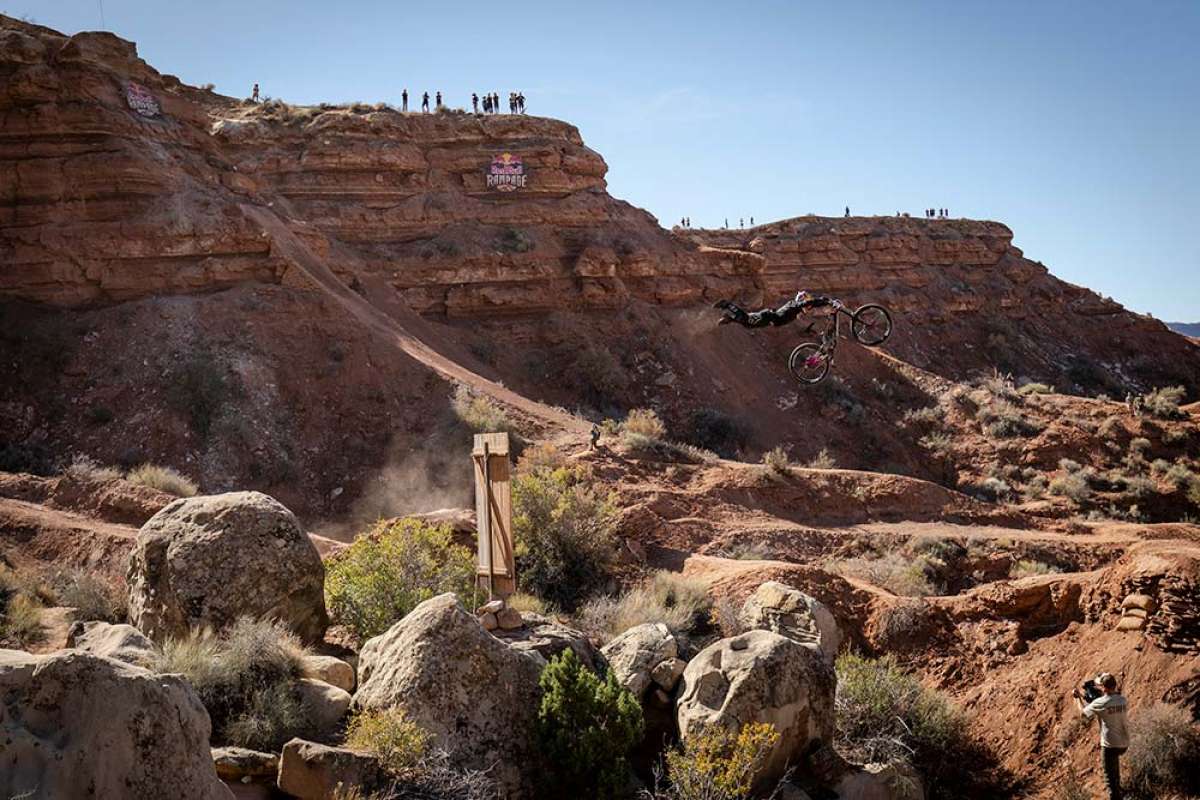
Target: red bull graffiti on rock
507, 173
141, 100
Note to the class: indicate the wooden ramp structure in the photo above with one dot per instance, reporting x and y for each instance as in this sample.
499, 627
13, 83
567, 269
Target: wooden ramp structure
496, 566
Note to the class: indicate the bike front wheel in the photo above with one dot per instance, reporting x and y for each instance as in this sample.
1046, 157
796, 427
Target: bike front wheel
871, 324
808, 363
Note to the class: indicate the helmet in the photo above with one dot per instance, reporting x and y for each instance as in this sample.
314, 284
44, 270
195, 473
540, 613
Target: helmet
800, 295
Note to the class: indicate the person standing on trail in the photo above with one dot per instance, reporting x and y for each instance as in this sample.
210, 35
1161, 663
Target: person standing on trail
404, 101
254, 94
439, 101
425, 103
521, 102
1110, 708
475, 102
595, 438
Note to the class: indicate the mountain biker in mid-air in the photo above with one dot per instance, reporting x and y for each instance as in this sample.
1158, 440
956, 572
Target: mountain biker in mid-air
772, 316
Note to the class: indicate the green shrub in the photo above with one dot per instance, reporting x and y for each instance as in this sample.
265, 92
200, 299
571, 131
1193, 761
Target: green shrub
1179, 476
385, 573
86, 470
20, 612
719, 764
1002, 420
678, 602
1164, 403
713, 429
1164, 754
1073, 486
884, 714
1035, 488
479, 413
245, 679
1139, 446
564, 531
540, 456
585, 727
200, 390
512, 240
164, 479
776, 459
388, 734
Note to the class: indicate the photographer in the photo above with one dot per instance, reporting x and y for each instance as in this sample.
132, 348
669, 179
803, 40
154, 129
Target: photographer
1099, 698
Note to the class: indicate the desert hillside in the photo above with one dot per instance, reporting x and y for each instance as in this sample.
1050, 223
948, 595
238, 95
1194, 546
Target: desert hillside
242, 344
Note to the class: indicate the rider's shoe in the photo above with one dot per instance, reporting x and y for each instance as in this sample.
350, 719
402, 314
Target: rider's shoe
725, 320
722, 304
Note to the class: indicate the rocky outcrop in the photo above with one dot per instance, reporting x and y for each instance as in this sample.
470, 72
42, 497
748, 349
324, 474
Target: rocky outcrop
331, 670
792, 613
477, 695
240, 764
895, 781
636, 654
547, 638
121, 642
312, 771
205, 561
81, 726
761, 676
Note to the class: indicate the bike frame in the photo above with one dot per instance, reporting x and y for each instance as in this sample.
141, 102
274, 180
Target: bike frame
833, 332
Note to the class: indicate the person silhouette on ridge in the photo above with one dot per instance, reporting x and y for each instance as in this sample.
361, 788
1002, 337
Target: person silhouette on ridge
475, 102
439, 100
404, 101
425, 103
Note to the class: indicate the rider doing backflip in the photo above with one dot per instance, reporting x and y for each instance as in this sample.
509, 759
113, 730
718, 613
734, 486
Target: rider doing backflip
803, 301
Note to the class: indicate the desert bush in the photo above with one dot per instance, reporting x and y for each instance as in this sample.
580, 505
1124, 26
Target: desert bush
998, 386
1002, 420
927, 417
163, 479
1136, 485
822, 460
1193, 493
1164, 403
678, 602
92, 597
540, 456
245, 679
200, 390
1067, 465
585, 727
1164, 754
994, 489
901, 623
599, 373
941, 444
718, 764
31, 457
20, 611
1139, 446
86, 470
644, 422
1159, 468
526, 603
1179, 475
564, 531
1073, 486
749, 551
713, 429
512, 240
479, 413
386, 572
894, 572
1110, 427
1035, 388
1035, 488
388, 734
776, 459
1026, 567
884, 714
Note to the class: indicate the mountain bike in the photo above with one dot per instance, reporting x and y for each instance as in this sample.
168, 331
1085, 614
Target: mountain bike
871, 325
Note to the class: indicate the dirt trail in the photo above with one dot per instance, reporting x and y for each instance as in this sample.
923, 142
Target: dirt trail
290, 246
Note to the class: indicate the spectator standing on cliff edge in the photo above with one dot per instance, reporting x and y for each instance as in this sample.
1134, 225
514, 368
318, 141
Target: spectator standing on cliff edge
475, 102
404, 101
1110, 708
254, 94
847, 211
439, 101
425, 103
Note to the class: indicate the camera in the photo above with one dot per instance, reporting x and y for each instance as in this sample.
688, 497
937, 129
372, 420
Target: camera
1089, 690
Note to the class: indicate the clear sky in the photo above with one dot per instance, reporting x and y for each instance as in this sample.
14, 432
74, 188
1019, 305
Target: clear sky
1075, 123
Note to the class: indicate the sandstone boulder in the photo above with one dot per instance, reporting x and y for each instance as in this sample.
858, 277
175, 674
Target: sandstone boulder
477, 695
895, 781
238, 763
312, 771
634, 654
331, 670
547, 638
761, 676
324, 705
205, 561
77, 725
122, 642
777, 607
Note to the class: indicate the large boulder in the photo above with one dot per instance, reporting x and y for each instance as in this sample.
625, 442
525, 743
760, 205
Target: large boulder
635, 654
122, 642
895, 781
312, 771
547, 638
477, 695
75, 725
205, 561
761, 676
777, 607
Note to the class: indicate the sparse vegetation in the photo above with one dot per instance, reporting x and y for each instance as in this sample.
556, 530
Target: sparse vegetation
385, 573
940, 444
585, 728
1035, 488
388, 734
164, 479
928, 417
20, 612
644, 422
526, 603
479, 413
1164, 403
1002, 420
92, 597
718, 764
563, 526
822, 460
1073, 486
1164, 754
678, 602
200, 390
246, 681
1035, 388
892, 571
777, 460
513, 240
713, 429
898, 626
540, 456
1027, 567
87, 470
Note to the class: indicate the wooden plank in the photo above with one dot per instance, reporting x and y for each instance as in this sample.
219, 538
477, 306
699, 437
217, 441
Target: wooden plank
493, 511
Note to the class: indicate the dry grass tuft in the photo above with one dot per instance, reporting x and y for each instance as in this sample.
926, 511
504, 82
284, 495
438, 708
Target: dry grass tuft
164, 479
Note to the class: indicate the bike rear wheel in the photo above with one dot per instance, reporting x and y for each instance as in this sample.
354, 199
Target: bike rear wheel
871, 324
808, 363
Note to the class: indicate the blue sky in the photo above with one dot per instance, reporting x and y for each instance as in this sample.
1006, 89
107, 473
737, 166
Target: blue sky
1075, 123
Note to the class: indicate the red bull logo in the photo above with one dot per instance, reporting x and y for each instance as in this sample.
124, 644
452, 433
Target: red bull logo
506, 173
141, 100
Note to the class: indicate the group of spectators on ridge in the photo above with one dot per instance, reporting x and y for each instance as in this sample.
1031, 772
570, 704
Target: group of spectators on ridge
490, 103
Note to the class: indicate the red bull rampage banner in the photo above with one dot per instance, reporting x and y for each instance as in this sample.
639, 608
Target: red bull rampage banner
506, 174
141, 100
